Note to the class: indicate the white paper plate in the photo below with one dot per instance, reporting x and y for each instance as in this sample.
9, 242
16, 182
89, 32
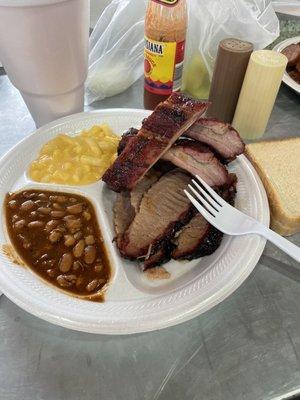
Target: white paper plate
133, 303
286, 78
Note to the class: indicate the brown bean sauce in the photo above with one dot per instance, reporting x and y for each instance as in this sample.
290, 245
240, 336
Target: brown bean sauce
57, 236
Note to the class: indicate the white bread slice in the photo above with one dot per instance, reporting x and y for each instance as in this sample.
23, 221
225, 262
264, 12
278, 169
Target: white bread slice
278, 165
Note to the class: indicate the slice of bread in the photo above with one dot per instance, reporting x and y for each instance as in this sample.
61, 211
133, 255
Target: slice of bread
278, 165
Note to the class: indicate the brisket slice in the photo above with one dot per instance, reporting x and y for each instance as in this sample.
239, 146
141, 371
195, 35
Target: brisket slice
190, 155
159, 131
142, 187
123, 214
220, 136
197, 159
164, 209
127, 204
198, 238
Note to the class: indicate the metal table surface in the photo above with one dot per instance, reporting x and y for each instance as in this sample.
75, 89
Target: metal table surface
247, 347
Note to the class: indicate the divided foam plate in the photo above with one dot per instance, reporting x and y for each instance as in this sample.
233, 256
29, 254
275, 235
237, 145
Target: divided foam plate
133, 303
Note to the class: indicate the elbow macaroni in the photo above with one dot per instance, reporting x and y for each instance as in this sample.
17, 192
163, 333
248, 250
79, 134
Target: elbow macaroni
76, 160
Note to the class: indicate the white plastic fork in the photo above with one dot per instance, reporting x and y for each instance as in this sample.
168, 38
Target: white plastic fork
231, 221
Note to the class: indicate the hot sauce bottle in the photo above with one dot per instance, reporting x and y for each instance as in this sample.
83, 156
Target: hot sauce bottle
165, 33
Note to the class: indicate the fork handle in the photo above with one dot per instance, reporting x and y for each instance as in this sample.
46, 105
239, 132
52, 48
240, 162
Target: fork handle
285, 245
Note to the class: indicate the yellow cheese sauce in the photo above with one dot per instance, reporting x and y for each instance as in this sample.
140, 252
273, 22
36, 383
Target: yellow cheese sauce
76, 160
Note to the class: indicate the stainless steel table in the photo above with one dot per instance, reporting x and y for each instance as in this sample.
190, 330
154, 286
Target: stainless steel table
246, 348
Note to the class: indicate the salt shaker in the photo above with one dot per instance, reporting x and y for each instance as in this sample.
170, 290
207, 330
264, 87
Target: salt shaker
258, 93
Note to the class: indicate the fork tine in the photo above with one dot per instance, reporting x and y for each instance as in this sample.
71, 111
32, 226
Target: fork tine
207, 196
201, 209
212, 210
213, 194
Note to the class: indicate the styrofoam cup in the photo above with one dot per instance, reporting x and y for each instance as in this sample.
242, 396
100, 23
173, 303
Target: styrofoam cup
44, 50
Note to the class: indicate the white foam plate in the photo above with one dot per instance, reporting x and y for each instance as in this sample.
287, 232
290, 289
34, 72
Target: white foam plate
286, 78
133, 303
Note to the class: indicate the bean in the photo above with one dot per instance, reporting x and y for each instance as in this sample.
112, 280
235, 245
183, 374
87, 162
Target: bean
87, 216
59, 199
78, 249
44, 257
57, 206
44, 210
94, 284
89, 254
77, 266
27, 205
69, 218
51, 273
69, 240
65, 263
42, 196
62, 229
73, 225
55, 236
78, 235
75, 209
36, 224
13, 204
20, 224
73, 200
57, 214
89, 239
29, 195
66, 280
51, 225
98, 268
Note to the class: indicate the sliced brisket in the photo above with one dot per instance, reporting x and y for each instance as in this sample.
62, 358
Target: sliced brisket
159, 131
142, 187
164, 209
123, 214
198, 238
220, 136
197, 159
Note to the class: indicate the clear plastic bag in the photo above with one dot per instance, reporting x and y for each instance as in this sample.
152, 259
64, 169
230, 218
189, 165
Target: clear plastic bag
116, 49
117, 42
214, 20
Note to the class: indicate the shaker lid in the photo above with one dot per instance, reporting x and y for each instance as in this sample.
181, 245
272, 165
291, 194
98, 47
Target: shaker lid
236, 45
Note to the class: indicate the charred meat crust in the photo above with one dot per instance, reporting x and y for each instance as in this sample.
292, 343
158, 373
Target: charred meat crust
159, 131
126, 138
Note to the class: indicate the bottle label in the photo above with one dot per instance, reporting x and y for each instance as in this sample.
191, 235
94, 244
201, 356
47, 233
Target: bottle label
167, 2
163, 64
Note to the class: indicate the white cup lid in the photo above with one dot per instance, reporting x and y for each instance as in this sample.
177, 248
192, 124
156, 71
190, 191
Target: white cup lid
28, 3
